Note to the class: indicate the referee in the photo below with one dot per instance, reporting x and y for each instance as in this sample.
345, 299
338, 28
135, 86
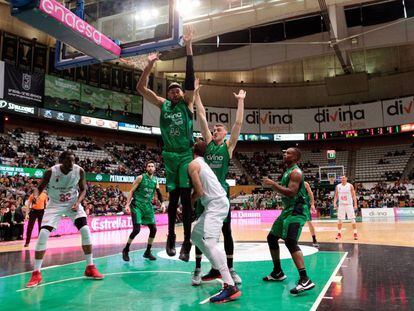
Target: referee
37, 209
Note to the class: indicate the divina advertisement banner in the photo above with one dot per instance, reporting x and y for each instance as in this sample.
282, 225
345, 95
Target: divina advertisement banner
290, 121
23, 87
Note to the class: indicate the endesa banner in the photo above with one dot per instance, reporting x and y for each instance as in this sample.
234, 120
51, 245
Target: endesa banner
291, 121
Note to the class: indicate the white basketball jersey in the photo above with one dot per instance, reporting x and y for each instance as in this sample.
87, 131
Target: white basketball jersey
344, 194
64, 188
211, 186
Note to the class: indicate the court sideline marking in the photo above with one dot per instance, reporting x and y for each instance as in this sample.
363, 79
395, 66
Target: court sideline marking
328, 284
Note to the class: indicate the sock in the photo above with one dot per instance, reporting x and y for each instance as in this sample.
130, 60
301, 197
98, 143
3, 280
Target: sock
38, 264
276, 266
230, 261
314, 239
149, 245
198, 261
302, 273
339, 231
89, 260
128, 245
355, 231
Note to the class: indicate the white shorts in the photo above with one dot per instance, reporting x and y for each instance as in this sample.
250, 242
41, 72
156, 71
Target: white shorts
346, 211
210, 222
55, 210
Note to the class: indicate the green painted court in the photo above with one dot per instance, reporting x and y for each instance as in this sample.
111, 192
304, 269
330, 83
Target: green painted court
164, 285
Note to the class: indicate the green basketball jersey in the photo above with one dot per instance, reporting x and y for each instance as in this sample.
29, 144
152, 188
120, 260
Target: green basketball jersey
176, 123
292, 204
218, 158
145, 190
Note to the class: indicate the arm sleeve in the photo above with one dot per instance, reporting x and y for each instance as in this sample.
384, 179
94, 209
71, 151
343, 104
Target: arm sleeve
159, 194
189, 74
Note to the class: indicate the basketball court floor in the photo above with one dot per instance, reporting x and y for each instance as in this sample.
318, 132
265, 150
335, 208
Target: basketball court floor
372, 273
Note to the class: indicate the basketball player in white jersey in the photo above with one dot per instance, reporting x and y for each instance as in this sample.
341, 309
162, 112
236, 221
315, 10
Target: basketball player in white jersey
207, 230
63, 181
346, 203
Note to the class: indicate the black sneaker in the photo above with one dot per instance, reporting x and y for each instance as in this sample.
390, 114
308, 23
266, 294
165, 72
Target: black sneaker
275, 277
125, 255
228, 293
170, 247
185, 251
149, 255
211, 275
303, 285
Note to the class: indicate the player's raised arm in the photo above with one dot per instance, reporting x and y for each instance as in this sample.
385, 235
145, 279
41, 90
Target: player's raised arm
189, 68
82, 190
201, 113
142, 86
131, 192
236, 129
293, 187
194, 172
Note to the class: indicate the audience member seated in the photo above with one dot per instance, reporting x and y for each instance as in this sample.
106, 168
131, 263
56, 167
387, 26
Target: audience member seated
14, 217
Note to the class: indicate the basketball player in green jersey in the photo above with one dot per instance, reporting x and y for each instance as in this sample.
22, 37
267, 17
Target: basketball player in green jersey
139, 204
310, 200
218, 155
176, 123
288, 226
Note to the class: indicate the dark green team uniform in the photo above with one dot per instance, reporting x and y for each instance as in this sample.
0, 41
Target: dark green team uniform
295, 210
176, 123
218, 158
142, 211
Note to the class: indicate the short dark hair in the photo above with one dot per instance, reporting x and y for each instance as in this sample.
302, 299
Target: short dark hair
200, 148
65, 154
298, 153
149, 162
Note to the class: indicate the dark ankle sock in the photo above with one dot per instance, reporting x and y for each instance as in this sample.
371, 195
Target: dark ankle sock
198, 262
276, 266
314, 239
302, 273
148, 248
230, 262
127, 247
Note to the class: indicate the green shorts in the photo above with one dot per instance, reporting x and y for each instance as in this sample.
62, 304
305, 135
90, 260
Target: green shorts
176, 169
199, 208
143, 214
281, 225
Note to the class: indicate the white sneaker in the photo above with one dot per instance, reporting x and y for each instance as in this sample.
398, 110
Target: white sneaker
236, 278
196, 278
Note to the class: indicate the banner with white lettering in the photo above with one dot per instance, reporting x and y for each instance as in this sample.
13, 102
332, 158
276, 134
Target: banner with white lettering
303, 120
398, 111
251, 122
214, 115
151, 114
275, 121
23, 87
1, 79
366, 116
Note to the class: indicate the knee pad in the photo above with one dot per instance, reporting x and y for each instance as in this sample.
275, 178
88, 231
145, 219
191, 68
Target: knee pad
292, 245
272, 241
86, 235
80, 222
42, 239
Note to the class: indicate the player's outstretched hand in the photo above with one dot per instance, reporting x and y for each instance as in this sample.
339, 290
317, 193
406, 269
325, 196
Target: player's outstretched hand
241, 95
75, 207
188, 34
197, 86
267, 181
152, 58
127, 209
